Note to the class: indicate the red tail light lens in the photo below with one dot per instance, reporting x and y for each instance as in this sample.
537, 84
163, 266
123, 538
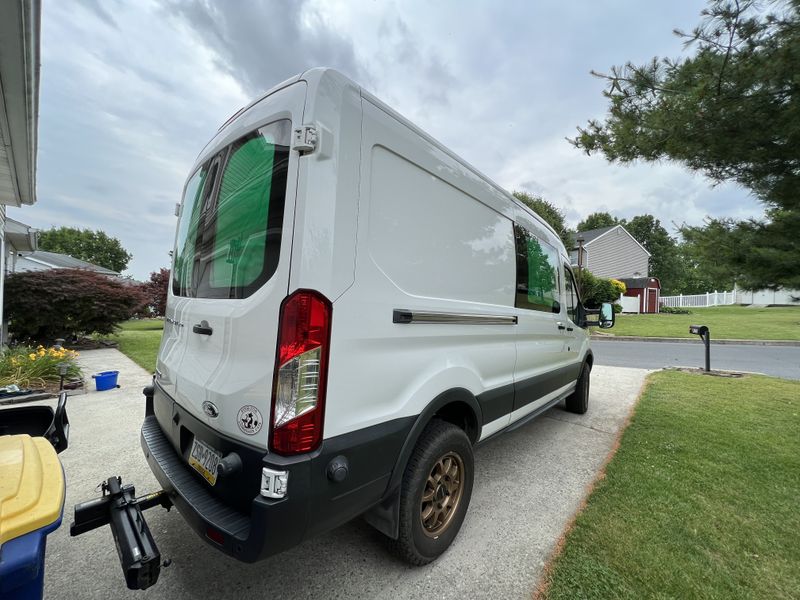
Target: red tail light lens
298, 391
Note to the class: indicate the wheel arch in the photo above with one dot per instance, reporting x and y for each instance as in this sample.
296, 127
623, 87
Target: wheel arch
458, 406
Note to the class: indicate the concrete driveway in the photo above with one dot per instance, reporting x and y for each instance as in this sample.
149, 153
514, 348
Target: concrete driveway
528, 484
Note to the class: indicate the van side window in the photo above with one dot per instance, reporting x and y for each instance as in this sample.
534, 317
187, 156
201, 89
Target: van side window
571, 293
537, 273
229, 235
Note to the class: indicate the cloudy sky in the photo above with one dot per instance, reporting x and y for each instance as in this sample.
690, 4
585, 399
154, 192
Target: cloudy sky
131, 91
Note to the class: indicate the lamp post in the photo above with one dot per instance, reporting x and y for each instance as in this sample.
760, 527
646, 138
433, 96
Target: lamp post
62, 371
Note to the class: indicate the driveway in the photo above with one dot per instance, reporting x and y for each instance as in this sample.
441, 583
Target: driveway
528, 484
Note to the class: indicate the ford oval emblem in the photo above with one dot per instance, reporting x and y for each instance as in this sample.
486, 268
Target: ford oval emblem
210, 409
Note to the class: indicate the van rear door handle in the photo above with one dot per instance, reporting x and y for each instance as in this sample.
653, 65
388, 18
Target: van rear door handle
561, 325
203, 328
570, 329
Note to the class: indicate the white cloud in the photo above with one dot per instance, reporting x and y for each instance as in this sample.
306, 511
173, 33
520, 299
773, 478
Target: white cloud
132, 91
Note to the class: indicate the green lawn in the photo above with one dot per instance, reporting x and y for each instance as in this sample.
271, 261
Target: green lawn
700, 500
725, 322
139, 340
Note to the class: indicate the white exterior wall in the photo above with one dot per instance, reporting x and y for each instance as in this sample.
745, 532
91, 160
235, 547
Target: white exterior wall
616, 254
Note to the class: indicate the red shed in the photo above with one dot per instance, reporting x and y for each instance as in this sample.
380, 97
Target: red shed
648, 289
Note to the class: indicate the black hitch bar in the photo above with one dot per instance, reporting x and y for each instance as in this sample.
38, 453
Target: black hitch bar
122, 510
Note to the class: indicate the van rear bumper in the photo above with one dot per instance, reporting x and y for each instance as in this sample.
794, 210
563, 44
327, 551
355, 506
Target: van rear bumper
272, 525
253, 527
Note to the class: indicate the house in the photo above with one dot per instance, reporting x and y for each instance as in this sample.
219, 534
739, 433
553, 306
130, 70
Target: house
646, 289
610, 252
44, 261
19, 115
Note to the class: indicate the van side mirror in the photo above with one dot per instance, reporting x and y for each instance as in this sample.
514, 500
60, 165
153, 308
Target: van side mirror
606, 317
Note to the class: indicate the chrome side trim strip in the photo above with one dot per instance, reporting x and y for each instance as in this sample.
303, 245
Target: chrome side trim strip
405, 316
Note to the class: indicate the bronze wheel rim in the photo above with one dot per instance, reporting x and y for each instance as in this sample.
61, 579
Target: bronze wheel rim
442, 494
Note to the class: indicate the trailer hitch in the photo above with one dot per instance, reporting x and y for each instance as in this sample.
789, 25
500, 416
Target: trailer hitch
122, 511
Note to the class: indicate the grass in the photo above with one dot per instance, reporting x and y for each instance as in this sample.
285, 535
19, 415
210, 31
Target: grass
139, 340
725, 322
700, 500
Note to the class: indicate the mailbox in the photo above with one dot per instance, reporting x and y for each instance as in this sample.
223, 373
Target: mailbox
700, 330
705, 335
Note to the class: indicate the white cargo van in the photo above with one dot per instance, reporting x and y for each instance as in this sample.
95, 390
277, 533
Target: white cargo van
353, 308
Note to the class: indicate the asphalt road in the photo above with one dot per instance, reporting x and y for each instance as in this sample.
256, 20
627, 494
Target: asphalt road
778, 361
528, 485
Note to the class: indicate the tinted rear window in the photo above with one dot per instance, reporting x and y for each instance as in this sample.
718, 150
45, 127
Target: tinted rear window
229, 232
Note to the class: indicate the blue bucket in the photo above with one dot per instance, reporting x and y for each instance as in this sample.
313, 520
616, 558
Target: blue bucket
105, 380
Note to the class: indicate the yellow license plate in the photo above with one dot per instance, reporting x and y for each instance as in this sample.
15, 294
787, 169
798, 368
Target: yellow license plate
204, 459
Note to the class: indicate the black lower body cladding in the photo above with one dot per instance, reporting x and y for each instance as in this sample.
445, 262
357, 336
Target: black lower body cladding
253, 527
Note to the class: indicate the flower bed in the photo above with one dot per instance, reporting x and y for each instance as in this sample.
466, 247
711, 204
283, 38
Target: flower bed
37, 367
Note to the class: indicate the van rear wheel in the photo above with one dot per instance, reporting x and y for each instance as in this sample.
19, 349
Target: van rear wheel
578, 401
435, 493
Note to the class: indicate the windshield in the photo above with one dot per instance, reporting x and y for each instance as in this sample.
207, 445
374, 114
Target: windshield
229, 232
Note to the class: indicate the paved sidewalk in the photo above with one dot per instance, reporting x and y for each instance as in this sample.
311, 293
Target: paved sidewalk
528, 484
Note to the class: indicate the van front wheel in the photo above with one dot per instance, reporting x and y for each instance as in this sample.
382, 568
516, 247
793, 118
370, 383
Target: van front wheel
435, 494
578, 401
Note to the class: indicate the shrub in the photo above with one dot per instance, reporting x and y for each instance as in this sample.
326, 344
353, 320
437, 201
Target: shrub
64, 303
673, 310
619, 286
35, 367
596, 290
617, 308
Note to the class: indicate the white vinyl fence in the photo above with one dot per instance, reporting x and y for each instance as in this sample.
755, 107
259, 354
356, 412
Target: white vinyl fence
699, 300
732, 297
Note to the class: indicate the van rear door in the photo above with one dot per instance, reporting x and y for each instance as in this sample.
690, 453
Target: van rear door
231, 271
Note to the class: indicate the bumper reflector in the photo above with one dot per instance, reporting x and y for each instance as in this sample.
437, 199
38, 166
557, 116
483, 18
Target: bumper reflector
274, 484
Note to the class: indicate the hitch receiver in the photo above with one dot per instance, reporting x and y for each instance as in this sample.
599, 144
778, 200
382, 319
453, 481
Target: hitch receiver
122, 510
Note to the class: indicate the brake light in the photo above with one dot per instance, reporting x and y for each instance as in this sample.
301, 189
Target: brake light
301, 368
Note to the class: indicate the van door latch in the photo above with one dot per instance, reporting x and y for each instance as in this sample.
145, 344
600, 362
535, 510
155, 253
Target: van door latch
304, 139
203, 328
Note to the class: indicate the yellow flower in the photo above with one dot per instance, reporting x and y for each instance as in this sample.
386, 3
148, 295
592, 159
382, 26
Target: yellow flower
41, 352
32, 356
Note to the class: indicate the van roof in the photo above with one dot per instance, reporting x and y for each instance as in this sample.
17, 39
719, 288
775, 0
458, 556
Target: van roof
313, 77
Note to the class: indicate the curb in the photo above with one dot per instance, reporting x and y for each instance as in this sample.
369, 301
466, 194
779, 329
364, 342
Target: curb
631, 338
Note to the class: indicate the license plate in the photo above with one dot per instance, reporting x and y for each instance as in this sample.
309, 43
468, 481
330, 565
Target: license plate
204, 459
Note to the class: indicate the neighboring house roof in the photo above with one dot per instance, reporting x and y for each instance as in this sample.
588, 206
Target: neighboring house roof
641, 282
595, 234
54, 260
19, 99
21, 237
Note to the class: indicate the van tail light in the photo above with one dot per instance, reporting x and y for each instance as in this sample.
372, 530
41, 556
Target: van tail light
301, 369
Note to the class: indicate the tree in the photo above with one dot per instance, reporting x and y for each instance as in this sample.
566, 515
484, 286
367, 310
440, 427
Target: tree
156, 291
92, 246
715, 250
45, 305
549, 212
730, 111
665, 260
596, 221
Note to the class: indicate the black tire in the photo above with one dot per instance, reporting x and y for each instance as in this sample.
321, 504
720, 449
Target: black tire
419, 543
578, 401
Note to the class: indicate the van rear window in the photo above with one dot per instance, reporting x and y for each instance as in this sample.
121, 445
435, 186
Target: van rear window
229, 232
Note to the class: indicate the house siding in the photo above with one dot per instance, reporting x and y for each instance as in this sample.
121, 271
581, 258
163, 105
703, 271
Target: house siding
616, 254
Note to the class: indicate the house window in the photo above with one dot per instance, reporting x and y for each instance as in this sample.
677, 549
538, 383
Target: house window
537, 273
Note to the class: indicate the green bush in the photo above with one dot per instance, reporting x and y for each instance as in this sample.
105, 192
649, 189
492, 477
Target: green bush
596, 290
673, 310
43, 306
